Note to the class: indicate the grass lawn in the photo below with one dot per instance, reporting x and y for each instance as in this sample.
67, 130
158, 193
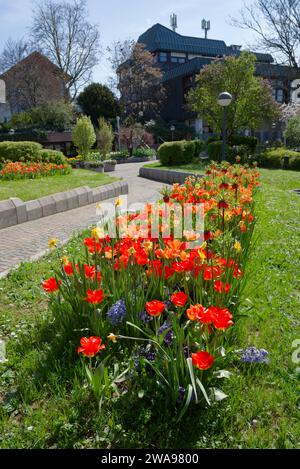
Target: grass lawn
44, 405
29, 189
191, 167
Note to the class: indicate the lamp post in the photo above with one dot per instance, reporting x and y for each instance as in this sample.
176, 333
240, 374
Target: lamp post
224, 100
172, 128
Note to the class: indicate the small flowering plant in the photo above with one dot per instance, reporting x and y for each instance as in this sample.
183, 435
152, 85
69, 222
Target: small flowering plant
163, 304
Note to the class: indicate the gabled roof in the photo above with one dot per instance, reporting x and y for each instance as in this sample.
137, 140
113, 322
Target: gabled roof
276, 71
38, 59
158, 37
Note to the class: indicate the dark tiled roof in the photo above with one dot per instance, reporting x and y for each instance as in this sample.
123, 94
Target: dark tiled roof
188, 68
159, 37
276, 71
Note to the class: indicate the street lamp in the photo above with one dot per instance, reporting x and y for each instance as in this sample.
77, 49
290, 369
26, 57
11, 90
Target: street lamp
224, 100
172, 128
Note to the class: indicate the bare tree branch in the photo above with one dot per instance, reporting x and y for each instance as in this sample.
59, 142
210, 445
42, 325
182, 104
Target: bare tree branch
66, 37
276, 24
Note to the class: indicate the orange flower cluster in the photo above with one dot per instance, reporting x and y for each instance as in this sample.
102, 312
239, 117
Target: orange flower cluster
20, 170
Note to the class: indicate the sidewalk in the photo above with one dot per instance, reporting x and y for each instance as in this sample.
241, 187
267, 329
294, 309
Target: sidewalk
29, 241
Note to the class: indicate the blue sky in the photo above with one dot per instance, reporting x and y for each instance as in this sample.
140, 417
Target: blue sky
121, 19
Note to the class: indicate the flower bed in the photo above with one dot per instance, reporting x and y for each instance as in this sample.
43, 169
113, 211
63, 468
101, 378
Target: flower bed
158, 310
20, 170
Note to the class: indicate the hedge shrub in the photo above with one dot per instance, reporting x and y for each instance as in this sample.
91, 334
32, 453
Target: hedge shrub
29, 151
20, 151
214, 150
178, 153
273, 158
250, 142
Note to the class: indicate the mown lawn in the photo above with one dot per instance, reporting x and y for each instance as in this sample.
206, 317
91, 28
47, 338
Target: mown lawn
29, 189
45, 405
191, 167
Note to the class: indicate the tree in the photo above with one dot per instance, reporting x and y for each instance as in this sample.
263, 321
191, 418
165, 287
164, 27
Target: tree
140, 84
64, 34
253, 104
292, 133
135, 136
54, 116
84, 136
276, 23
119, 52
97, 100
105, 137
14, 51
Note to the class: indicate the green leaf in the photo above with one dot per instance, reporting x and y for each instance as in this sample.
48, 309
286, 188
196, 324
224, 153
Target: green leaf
192, 375
187, 402
217, 394
203, 391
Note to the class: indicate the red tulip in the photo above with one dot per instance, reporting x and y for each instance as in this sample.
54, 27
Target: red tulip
95, 296
203, 360
155, 308
179, 299
50, 285
90, 347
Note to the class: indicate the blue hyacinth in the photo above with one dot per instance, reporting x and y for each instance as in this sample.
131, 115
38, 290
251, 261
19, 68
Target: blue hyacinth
168, 338
254, 355
117, 312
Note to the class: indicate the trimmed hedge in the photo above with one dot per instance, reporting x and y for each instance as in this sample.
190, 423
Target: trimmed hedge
273, 158
29, 151
178, 153
214, 150
238, 140
20, 151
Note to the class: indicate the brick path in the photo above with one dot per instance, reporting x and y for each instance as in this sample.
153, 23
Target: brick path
29, 241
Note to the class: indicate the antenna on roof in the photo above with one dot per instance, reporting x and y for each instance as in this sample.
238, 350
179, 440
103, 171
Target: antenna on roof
206, 27
173, 21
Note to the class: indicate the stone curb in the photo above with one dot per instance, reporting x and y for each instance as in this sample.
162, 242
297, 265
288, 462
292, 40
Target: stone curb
167, 176
14, 211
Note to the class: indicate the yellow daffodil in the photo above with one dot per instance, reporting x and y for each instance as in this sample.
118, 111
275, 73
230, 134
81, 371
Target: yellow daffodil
237, 246
112, 337
97, 233
64, 260
52, 243
118, 202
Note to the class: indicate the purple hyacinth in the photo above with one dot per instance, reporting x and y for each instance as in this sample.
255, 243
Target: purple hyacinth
117, 312
168, 338
254, 355
146, 353
144, 317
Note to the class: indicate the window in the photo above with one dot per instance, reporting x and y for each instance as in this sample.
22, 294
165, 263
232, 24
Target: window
163, 57
279, 95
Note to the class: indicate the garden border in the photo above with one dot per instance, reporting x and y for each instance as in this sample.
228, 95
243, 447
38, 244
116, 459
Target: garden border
165, 175
14, 211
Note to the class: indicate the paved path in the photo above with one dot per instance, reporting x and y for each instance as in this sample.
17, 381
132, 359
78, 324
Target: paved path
29, 240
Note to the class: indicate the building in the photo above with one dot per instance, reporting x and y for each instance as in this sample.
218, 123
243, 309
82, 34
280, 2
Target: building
31, 82
181, 59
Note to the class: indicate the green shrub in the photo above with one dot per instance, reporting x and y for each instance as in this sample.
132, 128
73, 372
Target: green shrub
292, 133
52, 156
199, 147
176, 153
238, 150
250, 142
142, 152
118, 155
214, 150
273, 158
20, 151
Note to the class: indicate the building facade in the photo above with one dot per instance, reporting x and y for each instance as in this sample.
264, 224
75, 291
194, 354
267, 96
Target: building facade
182, 57
31, 82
